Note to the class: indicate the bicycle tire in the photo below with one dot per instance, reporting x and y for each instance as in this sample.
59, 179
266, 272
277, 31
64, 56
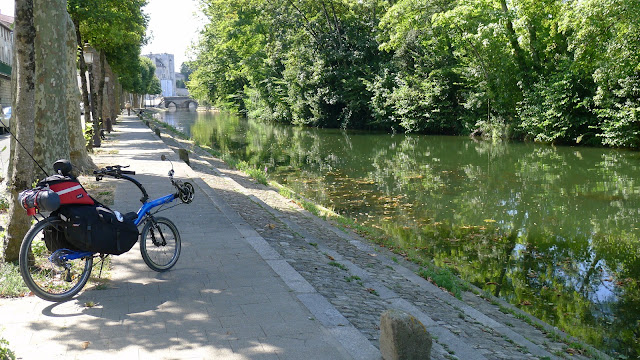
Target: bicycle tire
160, 244
46, 279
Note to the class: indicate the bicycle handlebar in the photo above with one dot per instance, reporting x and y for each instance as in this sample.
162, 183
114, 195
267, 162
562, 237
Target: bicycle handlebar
114, 171
185, 189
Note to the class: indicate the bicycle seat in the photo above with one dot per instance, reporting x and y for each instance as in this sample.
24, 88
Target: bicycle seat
63, 167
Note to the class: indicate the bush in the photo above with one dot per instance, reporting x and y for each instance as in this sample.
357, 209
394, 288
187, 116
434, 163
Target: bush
5, 352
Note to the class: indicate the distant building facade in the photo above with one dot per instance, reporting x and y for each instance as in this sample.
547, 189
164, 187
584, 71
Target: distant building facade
6, 59
165, 71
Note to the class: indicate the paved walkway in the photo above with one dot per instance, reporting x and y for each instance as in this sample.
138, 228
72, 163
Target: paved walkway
221, 301
257, 279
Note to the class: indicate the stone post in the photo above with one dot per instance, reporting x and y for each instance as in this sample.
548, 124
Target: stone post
403, 337
184, 155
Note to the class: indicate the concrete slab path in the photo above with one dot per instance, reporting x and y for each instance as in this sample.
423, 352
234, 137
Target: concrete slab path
222, 300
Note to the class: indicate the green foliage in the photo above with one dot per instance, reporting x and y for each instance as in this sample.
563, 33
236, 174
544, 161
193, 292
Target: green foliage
5, 352
445, 279
551, 71
555, 110
149, 82
186, 69
255, 173
88, 137
4, 204
117, 28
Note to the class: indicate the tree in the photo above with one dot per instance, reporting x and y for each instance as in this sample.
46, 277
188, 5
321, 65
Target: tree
552, 71
154, 86
186, 69
116, 29
21, 170
46, 113
604, 38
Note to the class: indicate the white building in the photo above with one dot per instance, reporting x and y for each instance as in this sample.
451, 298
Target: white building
6, 58
165, 71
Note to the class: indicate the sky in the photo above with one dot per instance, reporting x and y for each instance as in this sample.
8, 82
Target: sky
7, 7
173, 26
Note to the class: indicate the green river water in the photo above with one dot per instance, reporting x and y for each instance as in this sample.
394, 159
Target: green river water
553, 230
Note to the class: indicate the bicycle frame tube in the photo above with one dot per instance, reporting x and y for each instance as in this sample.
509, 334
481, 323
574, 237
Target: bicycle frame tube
146, 207
73, 255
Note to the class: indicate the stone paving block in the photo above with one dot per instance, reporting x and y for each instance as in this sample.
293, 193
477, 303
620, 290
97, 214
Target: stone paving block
236, 320
291, 328
253, 349
299, 347
262, 313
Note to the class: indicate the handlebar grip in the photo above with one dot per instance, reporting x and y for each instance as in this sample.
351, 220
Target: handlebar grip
128, 172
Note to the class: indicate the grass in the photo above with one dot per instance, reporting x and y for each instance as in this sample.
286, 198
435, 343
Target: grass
444, 279
338, 265
11, 283
255, 173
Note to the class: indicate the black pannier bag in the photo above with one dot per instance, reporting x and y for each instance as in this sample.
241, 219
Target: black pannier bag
98, 229
55, 239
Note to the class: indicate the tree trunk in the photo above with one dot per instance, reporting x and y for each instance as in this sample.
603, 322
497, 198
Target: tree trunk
78, 150
513, 40
100, 99
94, 113
52, 83
21, 167
84, 79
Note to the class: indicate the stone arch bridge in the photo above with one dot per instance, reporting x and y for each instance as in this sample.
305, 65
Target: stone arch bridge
180, 102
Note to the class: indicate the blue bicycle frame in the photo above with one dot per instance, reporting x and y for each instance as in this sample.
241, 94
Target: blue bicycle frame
146, 207
66, 254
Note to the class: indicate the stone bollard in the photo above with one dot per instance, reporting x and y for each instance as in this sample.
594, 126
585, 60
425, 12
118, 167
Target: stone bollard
157, 131
403, 337
109, 125
184, 155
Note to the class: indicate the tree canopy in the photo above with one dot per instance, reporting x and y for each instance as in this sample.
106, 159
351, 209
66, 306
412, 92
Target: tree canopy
117, 28
552, 71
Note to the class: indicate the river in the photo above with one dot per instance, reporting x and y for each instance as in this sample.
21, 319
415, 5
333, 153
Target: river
553, 230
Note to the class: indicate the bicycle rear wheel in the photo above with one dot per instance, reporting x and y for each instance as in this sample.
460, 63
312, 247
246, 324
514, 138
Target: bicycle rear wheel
47, 275
160, 244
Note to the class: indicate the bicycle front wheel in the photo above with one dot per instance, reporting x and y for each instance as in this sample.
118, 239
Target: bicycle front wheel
47, 275
160, 244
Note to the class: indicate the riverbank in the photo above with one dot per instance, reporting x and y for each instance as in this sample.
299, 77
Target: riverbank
361, 279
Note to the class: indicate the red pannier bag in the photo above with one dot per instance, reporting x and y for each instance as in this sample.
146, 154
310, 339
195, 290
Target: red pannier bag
68, 189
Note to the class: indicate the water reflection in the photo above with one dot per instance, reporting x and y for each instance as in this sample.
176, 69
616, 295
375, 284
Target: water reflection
551, 229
